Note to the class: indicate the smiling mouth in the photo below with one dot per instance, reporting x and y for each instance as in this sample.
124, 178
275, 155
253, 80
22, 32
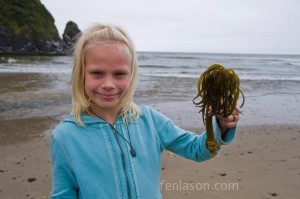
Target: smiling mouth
107, 96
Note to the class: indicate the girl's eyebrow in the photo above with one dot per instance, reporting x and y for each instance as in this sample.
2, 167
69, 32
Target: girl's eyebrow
122, 70
95, 70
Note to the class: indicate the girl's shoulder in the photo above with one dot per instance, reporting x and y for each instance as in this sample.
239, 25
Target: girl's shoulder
151, 112
146, 110
67, 127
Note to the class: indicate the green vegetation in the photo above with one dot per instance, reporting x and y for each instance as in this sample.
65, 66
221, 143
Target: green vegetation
26, 19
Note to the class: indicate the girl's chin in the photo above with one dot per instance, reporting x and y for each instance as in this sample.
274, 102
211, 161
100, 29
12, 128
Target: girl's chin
106, 104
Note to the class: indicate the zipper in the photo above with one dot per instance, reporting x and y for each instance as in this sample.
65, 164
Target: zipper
122, 157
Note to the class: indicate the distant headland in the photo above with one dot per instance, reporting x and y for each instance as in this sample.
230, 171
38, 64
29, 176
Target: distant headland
27, 28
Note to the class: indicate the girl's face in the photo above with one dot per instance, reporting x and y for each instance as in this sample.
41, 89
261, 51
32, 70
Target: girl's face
107, 75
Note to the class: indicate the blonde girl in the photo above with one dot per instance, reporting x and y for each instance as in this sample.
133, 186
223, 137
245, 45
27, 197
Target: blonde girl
109, 147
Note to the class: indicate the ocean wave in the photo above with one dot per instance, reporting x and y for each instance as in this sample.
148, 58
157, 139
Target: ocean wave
164, 66
269, 78
176, 75
164, 55
41, 69
154, 66
242, 77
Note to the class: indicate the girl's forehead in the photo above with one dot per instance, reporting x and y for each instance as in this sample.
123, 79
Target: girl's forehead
106, 44
110, 44
108, 51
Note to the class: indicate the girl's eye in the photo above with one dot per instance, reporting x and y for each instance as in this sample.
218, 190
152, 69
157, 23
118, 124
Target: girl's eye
120, 74
97, 73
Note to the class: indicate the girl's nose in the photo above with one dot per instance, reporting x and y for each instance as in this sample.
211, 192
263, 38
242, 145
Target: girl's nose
108, 83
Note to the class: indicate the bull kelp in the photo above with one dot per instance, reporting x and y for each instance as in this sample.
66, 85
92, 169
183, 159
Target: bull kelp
218, 91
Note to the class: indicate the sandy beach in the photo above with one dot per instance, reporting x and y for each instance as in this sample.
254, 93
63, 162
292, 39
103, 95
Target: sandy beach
263, 161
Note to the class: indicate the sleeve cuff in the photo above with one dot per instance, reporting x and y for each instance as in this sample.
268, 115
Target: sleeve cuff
227, 138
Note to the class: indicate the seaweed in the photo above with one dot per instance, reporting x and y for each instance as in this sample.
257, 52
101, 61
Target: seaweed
218, 91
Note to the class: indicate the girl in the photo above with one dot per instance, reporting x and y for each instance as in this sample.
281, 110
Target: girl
109, 147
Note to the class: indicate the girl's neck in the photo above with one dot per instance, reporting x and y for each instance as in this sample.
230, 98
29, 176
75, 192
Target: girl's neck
109, 117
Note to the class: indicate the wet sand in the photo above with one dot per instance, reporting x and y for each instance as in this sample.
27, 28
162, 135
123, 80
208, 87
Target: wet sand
263, 161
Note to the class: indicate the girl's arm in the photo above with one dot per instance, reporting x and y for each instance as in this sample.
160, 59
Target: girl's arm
186, 143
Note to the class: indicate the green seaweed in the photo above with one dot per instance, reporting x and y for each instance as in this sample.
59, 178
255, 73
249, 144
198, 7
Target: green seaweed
218, 90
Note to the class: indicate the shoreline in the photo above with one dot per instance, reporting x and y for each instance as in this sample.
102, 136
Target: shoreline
50, 53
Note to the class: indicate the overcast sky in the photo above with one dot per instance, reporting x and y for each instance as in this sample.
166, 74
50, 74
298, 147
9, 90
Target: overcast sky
217, 26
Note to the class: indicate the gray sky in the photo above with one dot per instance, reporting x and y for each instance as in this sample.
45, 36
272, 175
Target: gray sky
217, 26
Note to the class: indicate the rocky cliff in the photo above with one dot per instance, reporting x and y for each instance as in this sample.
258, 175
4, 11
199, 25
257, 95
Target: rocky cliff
27, 27
70, 34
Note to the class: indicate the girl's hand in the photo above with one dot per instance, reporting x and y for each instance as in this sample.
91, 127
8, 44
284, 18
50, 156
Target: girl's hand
228, 122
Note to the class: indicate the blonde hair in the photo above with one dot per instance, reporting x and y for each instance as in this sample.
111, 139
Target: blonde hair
98, 34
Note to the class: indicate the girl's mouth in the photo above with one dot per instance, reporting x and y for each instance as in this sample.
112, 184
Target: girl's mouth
107, 96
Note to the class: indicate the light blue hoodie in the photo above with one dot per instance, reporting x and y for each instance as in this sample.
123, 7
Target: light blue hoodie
94, 161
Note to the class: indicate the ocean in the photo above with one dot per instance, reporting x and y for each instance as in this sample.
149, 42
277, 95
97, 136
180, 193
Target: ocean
164, 64
29, 83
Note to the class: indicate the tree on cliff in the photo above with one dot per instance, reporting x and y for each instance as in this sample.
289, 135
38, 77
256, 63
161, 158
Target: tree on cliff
27, 27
